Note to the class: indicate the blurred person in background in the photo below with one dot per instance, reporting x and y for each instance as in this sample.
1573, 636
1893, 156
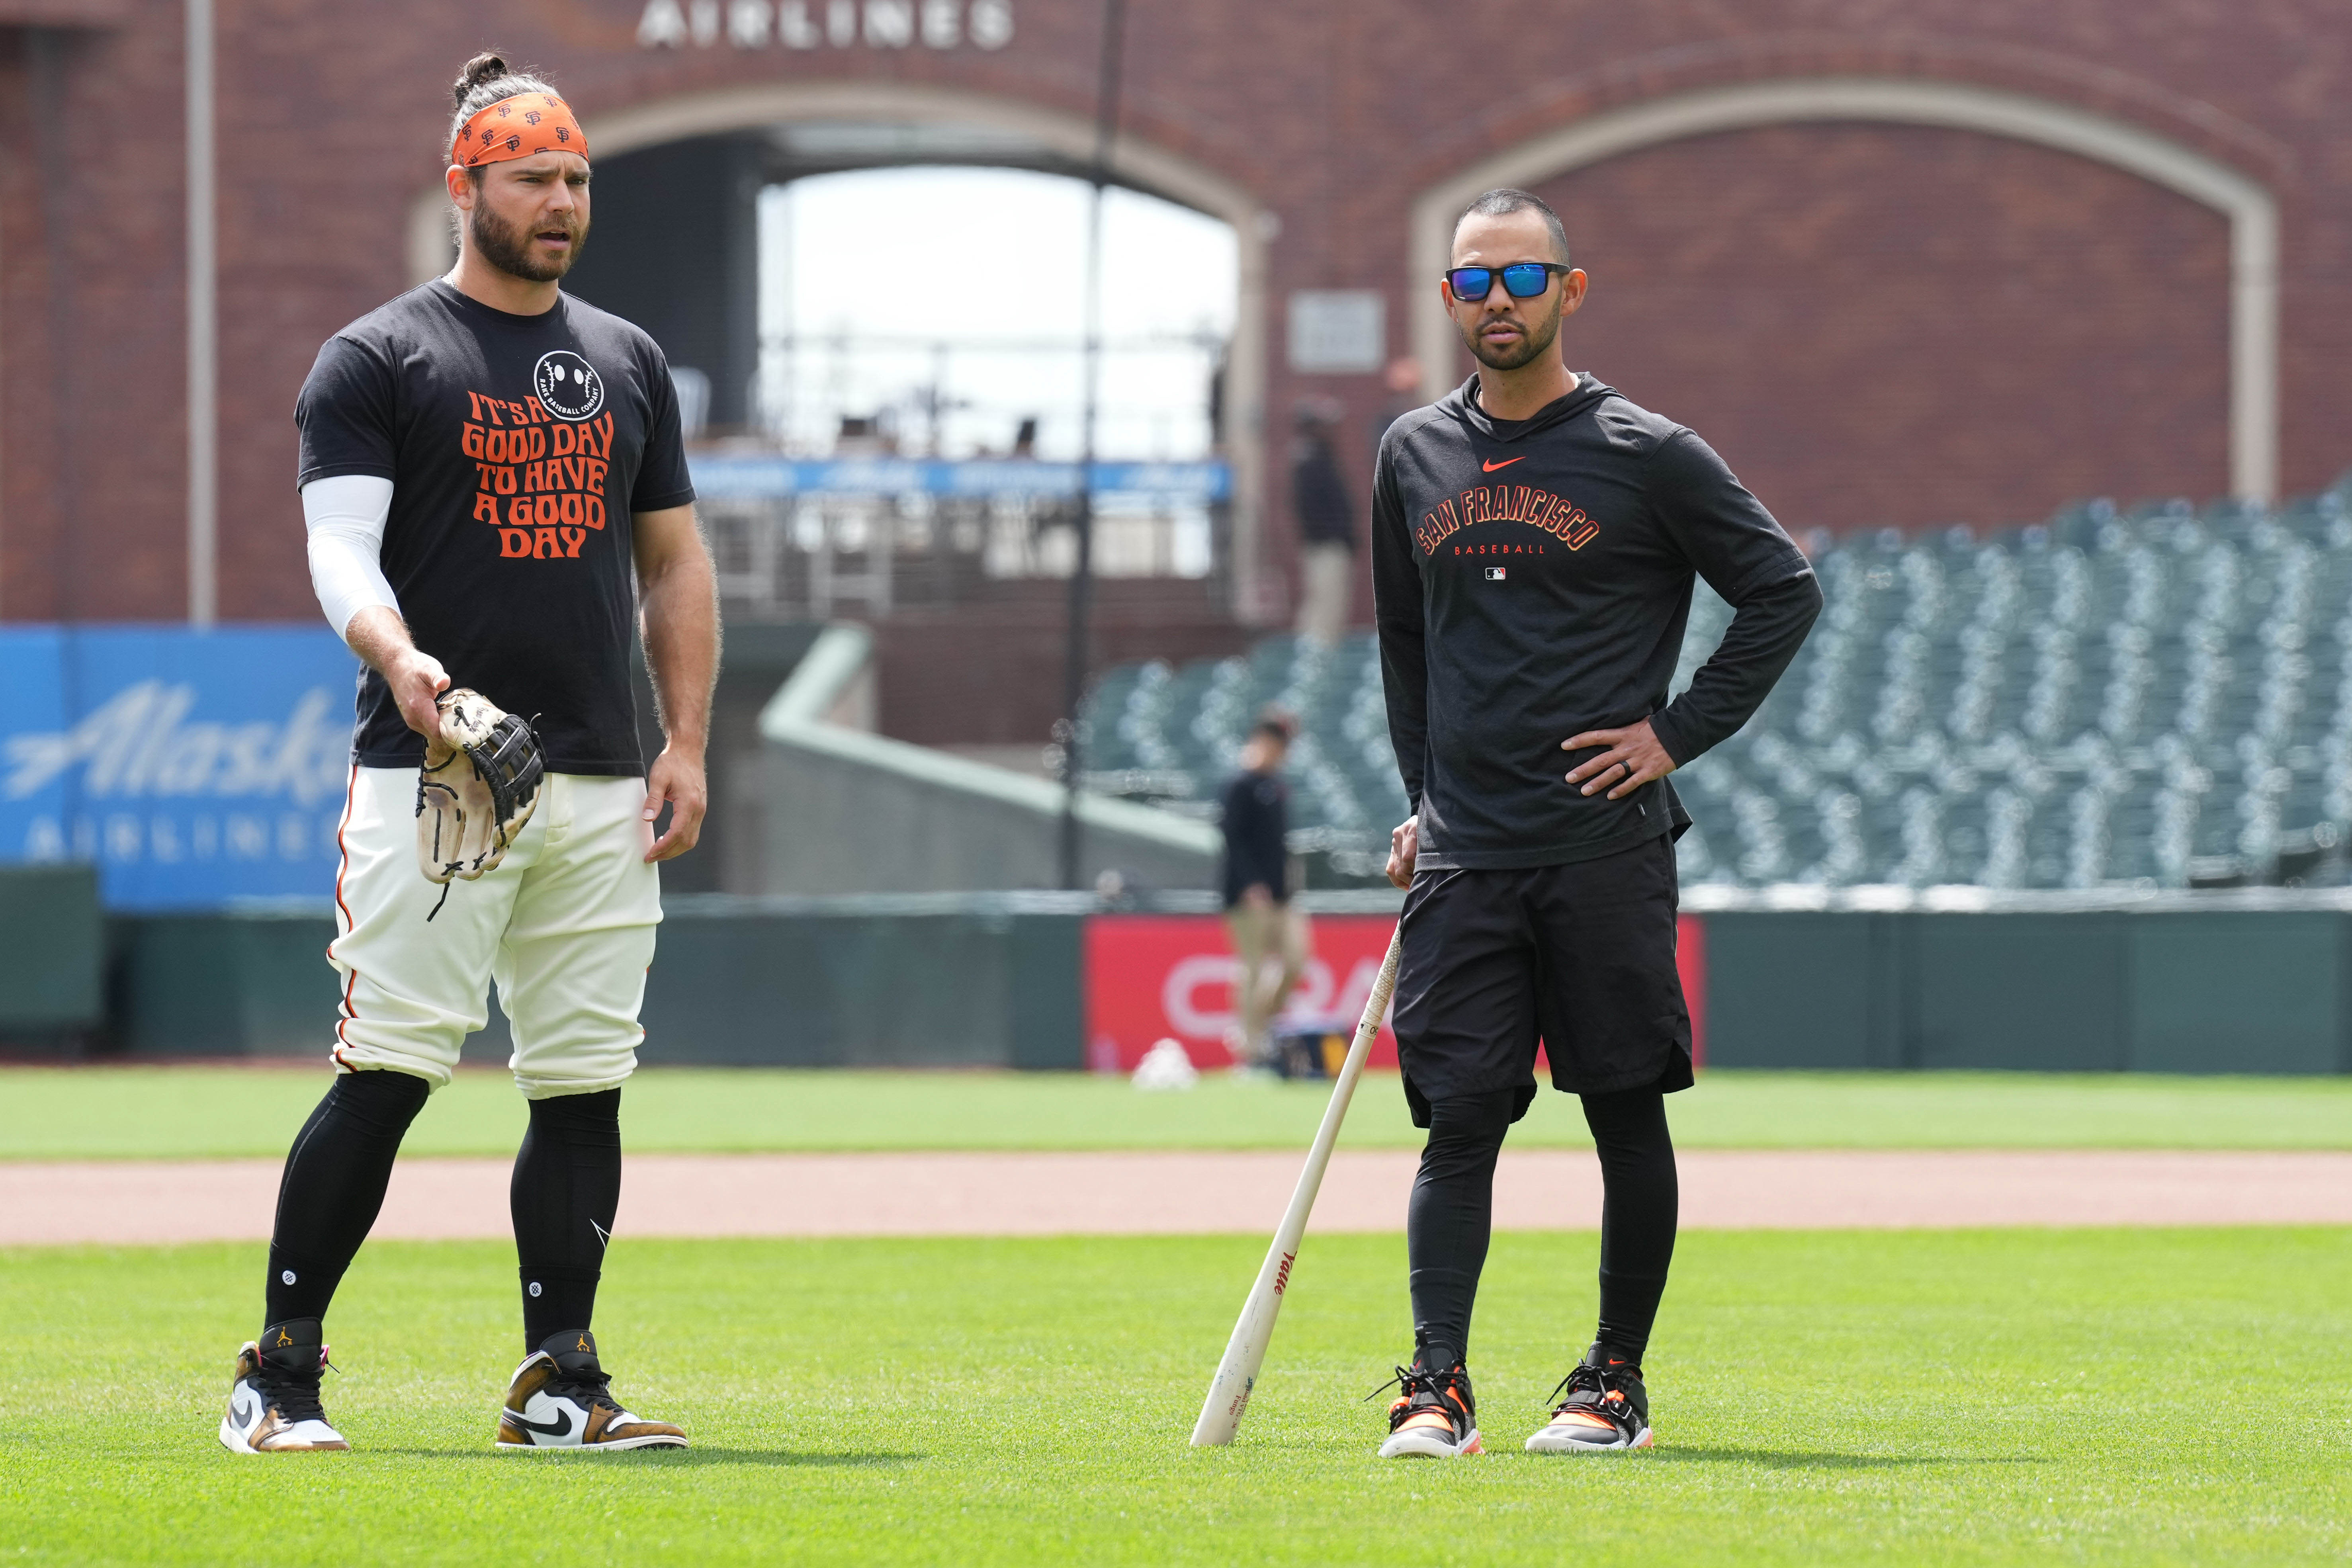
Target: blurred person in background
1327, 531
1401, 379
1270, 938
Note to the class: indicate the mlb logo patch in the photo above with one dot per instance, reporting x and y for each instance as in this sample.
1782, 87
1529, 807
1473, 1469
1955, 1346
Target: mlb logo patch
1495, 574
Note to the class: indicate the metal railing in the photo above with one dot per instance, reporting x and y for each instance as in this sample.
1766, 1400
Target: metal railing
802, 537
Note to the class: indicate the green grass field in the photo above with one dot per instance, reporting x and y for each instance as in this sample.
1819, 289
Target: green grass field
204, 1112
1989, 1397
2001, 1397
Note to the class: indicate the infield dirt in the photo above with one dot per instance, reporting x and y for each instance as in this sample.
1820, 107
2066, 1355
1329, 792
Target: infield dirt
1203, 1193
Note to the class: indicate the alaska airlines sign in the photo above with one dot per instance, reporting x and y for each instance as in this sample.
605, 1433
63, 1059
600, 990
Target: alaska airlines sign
825, 24
195, 768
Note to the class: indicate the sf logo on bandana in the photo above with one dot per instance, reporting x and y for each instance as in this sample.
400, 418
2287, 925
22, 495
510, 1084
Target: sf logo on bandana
567, 385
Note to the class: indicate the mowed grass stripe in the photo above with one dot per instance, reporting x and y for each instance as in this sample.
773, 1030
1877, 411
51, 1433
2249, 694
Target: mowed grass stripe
1989, 1397
198, 1112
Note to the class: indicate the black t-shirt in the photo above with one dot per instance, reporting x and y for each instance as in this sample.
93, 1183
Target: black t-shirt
1531, 581
517, 446
1256, 820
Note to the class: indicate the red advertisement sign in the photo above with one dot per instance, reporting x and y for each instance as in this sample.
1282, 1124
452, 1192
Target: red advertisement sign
1151, 977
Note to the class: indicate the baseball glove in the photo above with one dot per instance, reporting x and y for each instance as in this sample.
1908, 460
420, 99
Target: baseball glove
479, 786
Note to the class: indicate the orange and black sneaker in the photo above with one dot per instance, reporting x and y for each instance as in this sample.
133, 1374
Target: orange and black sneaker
1435, 1416
560, 1398
1607, 1409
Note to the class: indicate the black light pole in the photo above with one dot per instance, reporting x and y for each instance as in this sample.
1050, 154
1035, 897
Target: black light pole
1082, 571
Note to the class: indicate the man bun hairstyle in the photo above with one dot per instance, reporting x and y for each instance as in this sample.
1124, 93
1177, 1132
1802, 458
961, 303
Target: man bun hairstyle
484, 67
1504, 200
484, 81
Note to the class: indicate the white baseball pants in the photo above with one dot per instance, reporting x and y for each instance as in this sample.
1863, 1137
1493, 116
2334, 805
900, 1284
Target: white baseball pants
564, 925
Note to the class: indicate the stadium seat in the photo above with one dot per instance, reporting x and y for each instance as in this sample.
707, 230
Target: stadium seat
2151, 694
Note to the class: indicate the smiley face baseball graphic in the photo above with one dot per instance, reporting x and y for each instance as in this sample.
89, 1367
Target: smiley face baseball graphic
568, 386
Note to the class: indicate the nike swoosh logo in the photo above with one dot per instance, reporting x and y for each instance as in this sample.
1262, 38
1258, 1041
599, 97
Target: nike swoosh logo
246, 1411
1506, 463
559, 1428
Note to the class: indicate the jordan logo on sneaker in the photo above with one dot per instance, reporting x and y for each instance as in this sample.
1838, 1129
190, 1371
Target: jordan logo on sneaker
559, 1428
584, 1345
283, 1339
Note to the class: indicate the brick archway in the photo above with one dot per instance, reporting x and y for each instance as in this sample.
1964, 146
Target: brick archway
2250, 207
1134, 163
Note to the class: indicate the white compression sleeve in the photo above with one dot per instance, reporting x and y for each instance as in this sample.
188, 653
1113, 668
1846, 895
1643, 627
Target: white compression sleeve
346, 516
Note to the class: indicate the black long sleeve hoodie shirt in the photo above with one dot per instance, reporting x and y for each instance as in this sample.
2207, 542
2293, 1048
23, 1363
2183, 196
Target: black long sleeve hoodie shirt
1256, 822
1531, 580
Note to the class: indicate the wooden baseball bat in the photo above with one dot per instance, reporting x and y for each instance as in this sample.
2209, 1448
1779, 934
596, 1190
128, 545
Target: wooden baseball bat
1229, 1391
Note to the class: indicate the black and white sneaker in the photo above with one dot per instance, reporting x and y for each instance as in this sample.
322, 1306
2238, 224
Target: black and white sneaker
1434, 1416
1607, 1409
273, 1404
560, 1398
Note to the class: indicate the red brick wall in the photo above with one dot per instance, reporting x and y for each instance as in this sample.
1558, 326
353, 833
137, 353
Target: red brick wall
93, 519
1335, 113
1900, 325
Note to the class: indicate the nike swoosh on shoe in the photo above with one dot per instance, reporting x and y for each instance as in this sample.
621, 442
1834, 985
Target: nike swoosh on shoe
559, 1428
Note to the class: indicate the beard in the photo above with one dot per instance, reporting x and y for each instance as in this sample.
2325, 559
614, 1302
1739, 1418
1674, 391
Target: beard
507, 245
1538, 338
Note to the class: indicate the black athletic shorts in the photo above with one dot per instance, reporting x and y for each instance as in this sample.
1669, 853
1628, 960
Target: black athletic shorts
1578, 957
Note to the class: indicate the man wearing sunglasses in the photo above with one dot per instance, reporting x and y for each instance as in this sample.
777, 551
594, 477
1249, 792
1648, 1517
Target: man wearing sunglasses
1535, 539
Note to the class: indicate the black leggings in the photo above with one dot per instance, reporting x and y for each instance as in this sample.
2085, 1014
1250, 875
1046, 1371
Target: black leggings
333, 1187
1453, 1209
567, 1184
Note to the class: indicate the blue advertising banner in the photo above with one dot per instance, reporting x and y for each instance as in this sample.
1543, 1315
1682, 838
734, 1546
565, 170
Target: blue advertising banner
195, 768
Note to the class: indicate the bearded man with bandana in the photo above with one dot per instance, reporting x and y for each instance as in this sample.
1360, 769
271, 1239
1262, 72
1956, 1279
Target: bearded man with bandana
495, 487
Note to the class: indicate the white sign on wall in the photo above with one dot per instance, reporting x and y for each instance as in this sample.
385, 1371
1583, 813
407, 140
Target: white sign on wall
1335, 331
825, 24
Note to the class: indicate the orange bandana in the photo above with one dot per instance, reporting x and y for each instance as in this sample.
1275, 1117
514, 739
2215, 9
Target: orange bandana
517, 127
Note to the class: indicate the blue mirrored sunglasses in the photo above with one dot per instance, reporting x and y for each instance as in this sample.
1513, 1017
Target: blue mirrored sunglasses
1521, 281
